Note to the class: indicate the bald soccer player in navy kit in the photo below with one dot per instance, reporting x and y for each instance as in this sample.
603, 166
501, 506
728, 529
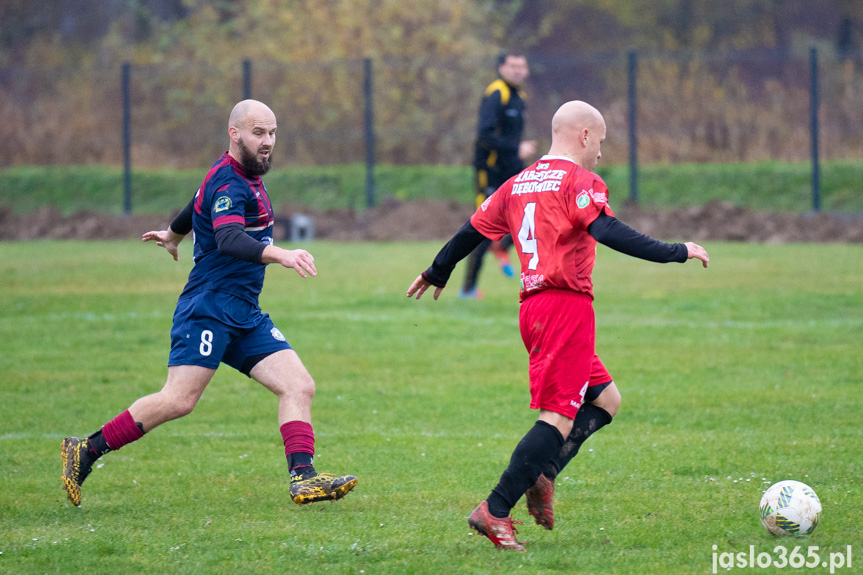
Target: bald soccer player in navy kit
218, 320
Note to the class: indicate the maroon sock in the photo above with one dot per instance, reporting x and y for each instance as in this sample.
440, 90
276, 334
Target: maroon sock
121, 430
299, 440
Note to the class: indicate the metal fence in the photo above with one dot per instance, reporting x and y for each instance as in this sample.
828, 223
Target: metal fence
685, 107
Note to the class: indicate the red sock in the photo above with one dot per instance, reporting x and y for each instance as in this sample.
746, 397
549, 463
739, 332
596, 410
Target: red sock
299, 440
121, 430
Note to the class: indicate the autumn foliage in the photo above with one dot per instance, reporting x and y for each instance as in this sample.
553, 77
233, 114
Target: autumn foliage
705, 92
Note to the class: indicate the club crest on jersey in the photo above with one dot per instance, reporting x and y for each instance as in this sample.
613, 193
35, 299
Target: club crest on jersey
582, 200
277, 334
222, 204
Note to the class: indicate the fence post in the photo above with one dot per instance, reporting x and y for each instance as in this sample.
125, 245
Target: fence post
813, 128
247, 79
127, 141
633, 132
369, 133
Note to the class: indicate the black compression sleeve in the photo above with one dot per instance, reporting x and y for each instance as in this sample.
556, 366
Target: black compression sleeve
182, 224
461, 244
611, 232
233, 241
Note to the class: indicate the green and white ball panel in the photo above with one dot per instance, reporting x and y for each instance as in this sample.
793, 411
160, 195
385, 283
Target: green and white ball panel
790, 508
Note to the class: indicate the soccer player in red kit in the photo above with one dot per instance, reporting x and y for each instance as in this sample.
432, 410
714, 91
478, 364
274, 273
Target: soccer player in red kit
558, 210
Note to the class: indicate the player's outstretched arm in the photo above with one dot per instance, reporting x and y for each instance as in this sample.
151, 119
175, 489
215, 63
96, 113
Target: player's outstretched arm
462, 243
611, 232
168, 239
299, 260
697, 252
420, 286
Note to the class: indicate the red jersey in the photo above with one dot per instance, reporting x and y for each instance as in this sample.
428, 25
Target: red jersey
547, 209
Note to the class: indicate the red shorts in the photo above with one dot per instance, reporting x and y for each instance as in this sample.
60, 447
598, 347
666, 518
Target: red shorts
558, 330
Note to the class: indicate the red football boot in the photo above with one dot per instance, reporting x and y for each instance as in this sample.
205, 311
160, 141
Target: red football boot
540, 502
501, 532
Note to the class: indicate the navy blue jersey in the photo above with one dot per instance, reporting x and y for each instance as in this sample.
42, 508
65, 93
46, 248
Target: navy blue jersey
228, 196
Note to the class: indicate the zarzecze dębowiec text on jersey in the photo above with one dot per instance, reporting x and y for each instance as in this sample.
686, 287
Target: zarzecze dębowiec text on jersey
547, 208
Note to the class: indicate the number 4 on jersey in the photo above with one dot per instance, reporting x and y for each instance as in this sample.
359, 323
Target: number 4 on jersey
527, 235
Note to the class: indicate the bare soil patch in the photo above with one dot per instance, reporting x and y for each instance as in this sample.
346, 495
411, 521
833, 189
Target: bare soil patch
422, 220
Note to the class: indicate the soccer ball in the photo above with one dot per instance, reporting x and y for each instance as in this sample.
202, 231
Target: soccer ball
790, 508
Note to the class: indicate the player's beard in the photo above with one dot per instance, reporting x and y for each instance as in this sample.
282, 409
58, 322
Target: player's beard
251, 164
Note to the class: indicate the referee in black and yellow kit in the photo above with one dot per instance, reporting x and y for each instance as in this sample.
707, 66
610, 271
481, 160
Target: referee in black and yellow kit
499, 153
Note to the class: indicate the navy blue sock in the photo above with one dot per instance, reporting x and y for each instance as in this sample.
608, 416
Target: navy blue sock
301, 464
97, 446
531, 455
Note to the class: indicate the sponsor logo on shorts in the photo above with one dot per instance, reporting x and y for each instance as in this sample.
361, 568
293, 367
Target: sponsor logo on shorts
277, 334
577, 404
222, 204
582, 200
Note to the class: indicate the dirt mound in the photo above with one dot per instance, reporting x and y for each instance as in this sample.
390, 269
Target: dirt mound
392, 220
722, 221
49, 223
419, 220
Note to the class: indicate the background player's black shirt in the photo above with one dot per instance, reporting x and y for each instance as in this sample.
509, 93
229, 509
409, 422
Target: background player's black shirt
499, 132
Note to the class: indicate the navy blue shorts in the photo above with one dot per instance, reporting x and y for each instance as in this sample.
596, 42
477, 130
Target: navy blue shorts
212, 327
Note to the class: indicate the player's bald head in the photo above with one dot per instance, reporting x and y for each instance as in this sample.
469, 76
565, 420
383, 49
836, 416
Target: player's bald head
577, 132
573, 117
252, 133
249, 112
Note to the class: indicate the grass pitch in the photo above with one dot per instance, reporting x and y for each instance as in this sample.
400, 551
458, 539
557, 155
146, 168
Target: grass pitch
732, 378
